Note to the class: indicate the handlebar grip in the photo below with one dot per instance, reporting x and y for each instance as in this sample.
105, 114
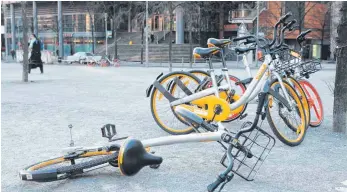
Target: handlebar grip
305, 33
242, 38
211, 187
249, 41
290, 24
285, 17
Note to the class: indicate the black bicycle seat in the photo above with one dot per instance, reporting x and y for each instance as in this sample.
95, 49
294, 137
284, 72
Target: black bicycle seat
133, 157
200, 52
218, 42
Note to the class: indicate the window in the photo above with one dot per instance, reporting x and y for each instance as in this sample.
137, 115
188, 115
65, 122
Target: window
68, 23
81, 23
47, 23
8, 25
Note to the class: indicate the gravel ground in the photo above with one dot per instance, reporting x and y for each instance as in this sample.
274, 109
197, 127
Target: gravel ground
35, 117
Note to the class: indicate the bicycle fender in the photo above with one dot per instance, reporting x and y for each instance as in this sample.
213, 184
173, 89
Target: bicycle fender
149, 89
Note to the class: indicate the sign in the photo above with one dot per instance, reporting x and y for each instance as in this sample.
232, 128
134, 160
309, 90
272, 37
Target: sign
109, 34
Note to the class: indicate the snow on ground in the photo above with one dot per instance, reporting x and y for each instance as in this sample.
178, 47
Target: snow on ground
35, 118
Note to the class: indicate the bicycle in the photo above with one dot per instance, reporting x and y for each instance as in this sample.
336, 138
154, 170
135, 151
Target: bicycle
254, 88
298, 70
245, 151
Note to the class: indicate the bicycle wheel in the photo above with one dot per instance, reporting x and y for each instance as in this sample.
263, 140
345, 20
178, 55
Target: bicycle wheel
300, 91
240, 89
315, 103
66, 166
162, 112
290, 126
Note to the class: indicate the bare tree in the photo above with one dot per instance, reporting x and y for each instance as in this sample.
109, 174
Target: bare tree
340, 90
335, 15
25, 42
94, 9
318, 20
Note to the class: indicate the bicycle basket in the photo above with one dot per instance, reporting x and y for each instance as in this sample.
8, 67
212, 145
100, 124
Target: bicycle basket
259, 143
287, 60
309, 67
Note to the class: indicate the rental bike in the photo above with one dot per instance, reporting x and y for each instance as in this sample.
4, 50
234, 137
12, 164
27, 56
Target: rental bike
291, 134
245, 151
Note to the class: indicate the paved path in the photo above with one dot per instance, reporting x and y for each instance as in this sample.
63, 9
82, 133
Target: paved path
35, 117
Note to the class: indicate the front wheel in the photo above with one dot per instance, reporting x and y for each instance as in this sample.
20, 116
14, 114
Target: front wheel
67, 166
289, 126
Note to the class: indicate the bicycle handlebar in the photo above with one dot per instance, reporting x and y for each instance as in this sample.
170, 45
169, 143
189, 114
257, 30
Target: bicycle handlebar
285, 17
289, 25
247, 37
303, 34
280, 21
213, 186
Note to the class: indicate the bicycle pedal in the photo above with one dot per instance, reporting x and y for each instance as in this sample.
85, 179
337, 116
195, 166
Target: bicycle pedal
108, 131
243, 116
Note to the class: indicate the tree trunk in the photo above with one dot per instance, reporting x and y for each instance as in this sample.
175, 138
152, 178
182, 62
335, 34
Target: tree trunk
340, 90
115, 33
142, 32
25, 43
129, 18
170, 38
190, 41
221, 20
200, 25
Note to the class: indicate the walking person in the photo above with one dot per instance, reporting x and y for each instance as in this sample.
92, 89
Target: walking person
35, 57
152, 37
13, 54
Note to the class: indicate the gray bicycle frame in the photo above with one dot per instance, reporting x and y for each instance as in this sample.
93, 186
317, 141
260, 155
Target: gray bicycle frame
160, 141
252, 91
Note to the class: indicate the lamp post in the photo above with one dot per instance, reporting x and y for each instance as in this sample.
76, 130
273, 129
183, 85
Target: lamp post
106, 33
146, 33
256, 54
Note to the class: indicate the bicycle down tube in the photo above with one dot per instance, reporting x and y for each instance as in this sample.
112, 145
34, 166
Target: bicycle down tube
236, 104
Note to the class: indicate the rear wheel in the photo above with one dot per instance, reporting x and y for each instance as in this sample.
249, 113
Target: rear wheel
288, 125
315, 103
64, 167
162, 112
240, 89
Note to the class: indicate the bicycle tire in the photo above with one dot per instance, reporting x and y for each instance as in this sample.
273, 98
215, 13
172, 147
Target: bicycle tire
155, 91
320, 116
35, 173
292, 93
303, 98
233, 79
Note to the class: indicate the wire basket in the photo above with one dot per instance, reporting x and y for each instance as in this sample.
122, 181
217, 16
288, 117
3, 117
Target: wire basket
259, 143
287, 60
309, 67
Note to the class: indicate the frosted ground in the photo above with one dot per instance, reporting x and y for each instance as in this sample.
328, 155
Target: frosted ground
35, 117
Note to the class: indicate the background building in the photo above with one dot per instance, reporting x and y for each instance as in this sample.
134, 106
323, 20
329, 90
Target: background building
84, 23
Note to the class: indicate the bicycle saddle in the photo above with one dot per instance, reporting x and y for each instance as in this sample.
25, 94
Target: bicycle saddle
200, 52
133, 157
241, 50
212, 42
